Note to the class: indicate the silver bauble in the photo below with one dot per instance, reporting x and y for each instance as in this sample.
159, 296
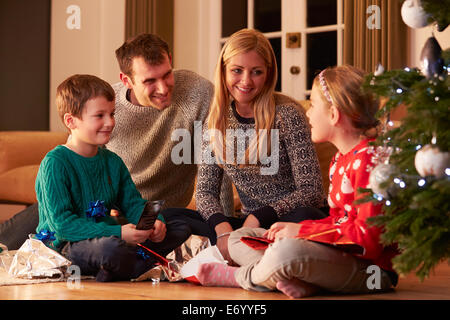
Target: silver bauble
413, 14
378, 175
430, 161
431, 62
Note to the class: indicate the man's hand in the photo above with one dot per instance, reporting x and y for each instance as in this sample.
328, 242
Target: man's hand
282, 230
133, 236
158, 232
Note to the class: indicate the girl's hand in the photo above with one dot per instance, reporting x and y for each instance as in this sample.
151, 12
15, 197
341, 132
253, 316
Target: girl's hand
158, 231
281, 230
133, 236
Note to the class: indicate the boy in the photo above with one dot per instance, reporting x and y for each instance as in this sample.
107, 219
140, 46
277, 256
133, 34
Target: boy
80, 182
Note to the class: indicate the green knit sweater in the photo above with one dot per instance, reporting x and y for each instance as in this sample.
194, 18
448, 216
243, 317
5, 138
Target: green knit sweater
67, 182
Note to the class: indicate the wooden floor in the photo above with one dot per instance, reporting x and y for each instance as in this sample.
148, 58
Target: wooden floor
437, 287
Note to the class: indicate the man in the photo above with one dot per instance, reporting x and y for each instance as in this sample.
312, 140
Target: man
152, 101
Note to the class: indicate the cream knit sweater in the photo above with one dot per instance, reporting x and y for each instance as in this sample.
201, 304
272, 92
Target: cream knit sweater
143, 139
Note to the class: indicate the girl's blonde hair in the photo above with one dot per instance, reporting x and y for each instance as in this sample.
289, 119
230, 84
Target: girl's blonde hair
242, 42
342, 84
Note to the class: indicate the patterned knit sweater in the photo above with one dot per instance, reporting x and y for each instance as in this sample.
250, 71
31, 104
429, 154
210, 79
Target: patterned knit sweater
67, 182
143, 139
297, 182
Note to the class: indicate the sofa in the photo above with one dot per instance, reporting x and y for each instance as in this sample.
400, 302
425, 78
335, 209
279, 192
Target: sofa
22, 151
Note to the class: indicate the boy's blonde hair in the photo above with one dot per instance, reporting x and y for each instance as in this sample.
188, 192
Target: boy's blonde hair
241, 42
343, 84
73, 93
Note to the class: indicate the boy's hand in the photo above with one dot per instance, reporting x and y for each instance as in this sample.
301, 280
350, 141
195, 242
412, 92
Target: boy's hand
133, 236
158, 232
282, 230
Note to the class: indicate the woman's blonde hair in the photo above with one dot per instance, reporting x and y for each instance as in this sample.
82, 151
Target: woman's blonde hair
241, 42
342, 84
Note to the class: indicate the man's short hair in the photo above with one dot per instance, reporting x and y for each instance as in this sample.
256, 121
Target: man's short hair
149, 46
73, 93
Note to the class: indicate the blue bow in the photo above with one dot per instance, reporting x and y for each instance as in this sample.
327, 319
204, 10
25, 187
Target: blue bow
144, 255
96, 209
45, 235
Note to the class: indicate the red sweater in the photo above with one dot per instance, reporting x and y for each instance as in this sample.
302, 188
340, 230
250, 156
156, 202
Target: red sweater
346, 226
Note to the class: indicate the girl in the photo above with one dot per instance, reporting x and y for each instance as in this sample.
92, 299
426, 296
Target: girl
248, 121
340, 252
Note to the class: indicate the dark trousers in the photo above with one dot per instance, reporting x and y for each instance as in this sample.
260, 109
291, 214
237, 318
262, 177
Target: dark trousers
200, 227
15, 231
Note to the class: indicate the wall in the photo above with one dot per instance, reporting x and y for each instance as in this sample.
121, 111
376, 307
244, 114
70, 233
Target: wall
195, 29
185, 48
89, 49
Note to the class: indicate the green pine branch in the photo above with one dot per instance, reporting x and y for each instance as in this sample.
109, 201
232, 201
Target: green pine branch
416, 216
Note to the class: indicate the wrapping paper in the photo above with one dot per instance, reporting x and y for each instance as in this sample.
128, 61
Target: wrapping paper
257, 243
207, 255
35, 260
171, 270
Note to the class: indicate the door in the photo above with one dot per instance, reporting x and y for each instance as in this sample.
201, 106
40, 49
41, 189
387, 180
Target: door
306, 35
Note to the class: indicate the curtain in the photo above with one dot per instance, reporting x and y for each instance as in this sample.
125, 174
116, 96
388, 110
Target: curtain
365, 47
149, 16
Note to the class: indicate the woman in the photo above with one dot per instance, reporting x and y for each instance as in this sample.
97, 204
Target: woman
260, 140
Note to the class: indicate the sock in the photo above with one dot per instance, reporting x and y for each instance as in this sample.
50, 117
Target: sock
295, 288
217, 275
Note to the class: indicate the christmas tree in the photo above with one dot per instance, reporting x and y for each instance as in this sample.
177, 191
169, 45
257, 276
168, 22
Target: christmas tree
412, 177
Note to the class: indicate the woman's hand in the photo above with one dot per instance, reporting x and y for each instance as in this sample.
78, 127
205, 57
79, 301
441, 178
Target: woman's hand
222, 241
281, 230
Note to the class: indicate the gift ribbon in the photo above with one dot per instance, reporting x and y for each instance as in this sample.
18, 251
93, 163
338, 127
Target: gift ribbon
143, 254
96, 209
45, 235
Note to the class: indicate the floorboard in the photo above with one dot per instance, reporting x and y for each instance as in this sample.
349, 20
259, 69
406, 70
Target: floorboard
436, 287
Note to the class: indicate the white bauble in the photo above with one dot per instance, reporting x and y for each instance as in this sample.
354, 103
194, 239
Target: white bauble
430, 161
378, 175
413, 14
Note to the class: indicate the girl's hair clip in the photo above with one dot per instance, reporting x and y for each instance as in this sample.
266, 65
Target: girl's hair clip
323, 84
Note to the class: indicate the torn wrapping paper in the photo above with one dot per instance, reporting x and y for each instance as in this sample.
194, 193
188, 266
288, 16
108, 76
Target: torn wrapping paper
170, 268
35, 260
210, 254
